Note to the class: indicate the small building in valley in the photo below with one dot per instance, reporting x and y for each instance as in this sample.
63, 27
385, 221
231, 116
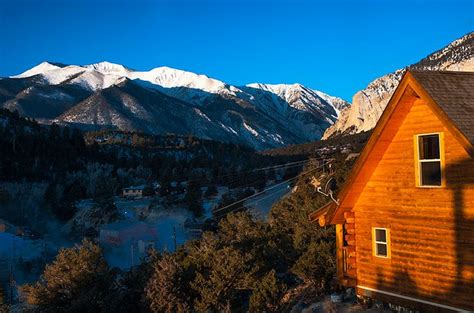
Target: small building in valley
133, 191
405, 215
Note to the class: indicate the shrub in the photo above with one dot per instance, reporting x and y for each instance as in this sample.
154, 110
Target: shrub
267, 294
78, 280
3, 306
317, 264
166, 290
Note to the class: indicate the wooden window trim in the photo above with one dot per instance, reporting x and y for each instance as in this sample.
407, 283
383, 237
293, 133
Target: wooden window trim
418, 161
388, 243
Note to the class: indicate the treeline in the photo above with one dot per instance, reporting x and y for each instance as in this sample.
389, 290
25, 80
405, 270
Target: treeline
168, 141
3, 306
34, 153
98, 165
355, 141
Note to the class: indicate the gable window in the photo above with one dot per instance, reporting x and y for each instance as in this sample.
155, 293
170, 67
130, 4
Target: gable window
429, 160
381, 242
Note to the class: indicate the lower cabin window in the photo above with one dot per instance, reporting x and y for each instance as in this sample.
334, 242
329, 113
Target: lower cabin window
381, 242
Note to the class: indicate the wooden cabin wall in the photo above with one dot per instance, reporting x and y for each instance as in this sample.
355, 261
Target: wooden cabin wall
431, 229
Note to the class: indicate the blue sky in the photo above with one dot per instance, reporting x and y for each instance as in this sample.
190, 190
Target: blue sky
334, 46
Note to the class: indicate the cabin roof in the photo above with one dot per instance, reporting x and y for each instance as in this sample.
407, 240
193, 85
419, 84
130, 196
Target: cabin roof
454, 94
450, 94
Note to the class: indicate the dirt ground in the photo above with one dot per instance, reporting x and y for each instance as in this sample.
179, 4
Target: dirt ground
327, 306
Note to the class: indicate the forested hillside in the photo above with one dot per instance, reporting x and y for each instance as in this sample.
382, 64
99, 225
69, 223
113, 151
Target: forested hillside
321, 148
70, 166
240, 263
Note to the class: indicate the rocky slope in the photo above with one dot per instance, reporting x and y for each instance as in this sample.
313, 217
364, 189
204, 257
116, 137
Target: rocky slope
368, 104
165, 100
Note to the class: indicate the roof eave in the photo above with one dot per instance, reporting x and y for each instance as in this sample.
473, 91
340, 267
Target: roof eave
321, 215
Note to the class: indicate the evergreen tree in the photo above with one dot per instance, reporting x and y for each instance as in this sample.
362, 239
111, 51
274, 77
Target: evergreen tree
218, 282
78, 280
317, 264
4, 196
168, 288
148, 190
267, 294
3, 305
211, 191
194, 198
129, 296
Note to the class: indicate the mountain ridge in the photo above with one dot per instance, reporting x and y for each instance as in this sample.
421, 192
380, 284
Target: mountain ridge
164, 100
369, 103
263, 116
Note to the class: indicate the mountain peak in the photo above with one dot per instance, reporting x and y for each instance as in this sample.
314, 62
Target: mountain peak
166, 99
170, 77
274, 86
106, 67
283, 90
41, 68
369, 103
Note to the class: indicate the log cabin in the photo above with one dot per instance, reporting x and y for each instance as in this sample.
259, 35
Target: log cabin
405, 215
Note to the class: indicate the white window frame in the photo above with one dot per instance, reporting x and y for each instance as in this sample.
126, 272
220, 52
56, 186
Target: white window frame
419, 161
386, 242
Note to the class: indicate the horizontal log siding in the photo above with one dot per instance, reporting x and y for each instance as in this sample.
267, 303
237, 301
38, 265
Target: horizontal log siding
431, 233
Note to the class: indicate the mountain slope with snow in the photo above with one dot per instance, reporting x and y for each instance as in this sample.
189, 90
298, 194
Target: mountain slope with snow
165, 100
368, 104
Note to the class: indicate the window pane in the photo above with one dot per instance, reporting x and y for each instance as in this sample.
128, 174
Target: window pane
381, 249
429, 147
381, 235
431, 173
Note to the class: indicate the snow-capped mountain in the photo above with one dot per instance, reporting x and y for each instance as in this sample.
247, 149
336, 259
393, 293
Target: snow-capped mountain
299, 97
368, 104
166, 100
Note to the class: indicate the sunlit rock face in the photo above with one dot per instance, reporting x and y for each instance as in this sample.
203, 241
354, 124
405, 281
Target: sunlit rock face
368, 104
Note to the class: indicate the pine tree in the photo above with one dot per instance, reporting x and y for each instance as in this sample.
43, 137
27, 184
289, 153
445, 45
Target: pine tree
3, 306
148, 190
194, 198
167, 289
130, 296
218, 282
4, 196
211, 191
267, 294
317, 264
78, 280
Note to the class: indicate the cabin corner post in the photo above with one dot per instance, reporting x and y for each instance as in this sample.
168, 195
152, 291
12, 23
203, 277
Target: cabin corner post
349, 249
339, 252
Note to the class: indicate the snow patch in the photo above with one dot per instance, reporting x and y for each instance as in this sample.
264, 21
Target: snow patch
251, 130
202, 115
228, 128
